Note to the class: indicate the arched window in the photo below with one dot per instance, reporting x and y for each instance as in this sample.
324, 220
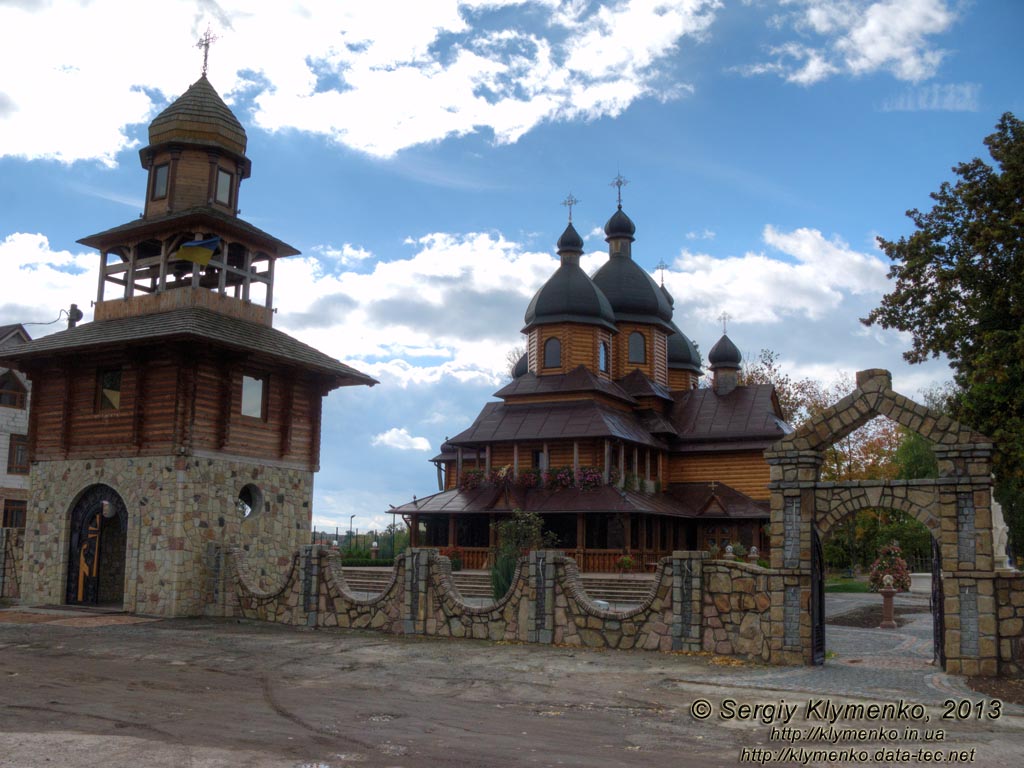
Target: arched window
602, 357
637, 347
552, 353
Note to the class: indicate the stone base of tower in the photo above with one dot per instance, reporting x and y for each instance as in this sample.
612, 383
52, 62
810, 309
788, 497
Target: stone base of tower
175, 509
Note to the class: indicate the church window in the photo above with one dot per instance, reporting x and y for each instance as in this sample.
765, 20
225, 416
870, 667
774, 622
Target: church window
637, 347
552, 353
160, 182
602, 357
224, 180
12, 393
17, 455
14, 513
250, 500
108, 389
254, 396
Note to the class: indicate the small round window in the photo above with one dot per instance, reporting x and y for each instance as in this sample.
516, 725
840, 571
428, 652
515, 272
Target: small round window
249, 501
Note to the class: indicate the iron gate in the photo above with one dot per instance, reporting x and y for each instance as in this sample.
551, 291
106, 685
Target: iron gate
817, 599
937, 606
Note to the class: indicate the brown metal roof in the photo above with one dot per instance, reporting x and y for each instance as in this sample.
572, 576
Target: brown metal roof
190, 323
200, 218
500, 422
638, 385
745, 414
687, 500
578, 380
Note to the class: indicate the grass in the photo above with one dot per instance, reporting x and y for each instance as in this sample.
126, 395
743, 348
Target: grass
842, 584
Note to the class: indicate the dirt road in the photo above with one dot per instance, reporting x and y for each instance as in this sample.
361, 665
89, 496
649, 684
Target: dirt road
84, 690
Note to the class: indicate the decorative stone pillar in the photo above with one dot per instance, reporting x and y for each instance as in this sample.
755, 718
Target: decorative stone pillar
687, 599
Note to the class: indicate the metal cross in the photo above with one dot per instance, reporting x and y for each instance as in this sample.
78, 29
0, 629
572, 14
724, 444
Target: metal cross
619, 181
662, 266
725, 317
205, 42
714, 487
569, 202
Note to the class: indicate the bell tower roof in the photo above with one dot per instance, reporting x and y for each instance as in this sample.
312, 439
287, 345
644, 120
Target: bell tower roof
198, 117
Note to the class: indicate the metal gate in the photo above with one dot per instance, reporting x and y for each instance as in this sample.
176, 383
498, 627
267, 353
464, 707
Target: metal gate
94, 517
817, 599
938, 607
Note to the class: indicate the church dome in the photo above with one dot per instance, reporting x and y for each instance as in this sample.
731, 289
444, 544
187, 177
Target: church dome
682, 353
570, 240
522, 366
619, 225
725, 354
569, 295
199, 116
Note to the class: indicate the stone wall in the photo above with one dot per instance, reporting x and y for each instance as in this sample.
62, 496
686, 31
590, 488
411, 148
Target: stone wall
1009, 590
12, 550
739, 615
177, 508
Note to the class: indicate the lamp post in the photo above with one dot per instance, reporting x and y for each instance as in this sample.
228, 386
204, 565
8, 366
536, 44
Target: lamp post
351, 531
373, 551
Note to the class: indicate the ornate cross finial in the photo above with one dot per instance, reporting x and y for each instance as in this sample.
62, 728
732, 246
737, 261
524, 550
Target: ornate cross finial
569, 202
662, 266
619, 181
205, 42
725, 317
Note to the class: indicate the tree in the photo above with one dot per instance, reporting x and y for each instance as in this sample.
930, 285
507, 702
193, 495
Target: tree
512, 359
959, 292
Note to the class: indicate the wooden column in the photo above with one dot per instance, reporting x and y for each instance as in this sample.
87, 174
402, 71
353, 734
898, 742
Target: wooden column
451, 530
247, 278
575, 461
581, 531
622, 465
627, 533
129, 276
458, 467
487, 458
195, 267
414, 531
607, 461
636, 462
222, 273
270, 283
647, 464
547, 458
165, 255
515, 461
103, 275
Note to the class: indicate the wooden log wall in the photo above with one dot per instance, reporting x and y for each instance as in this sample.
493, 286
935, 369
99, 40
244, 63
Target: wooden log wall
655, 364
170, 401
744, 471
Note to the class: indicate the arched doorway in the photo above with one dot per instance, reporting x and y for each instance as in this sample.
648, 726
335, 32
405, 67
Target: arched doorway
97, 547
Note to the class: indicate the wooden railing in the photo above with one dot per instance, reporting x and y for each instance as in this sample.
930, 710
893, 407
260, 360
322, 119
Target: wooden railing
475, 558
607, 560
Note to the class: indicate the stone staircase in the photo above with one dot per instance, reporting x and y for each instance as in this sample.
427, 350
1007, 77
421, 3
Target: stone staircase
630, 588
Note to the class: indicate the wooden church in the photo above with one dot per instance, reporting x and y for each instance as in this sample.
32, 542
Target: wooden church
604, 431
178, 418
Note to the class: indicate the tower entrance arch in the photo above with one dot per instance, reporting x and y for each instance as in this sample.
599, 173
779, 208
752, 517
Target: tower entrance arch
956, 507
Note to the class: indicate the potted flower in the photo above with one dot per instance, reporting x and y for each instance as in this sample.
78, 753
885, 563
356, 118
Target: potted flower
454, 555
625, 563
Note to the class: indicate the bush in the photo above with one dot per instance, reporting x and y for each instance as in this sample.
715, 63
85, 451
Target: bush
501, 574
890, 562
625, 563
356, 562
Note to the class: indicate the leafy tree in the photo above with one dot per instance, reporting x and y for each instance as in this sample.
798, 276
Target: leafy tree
516, 535
959, 292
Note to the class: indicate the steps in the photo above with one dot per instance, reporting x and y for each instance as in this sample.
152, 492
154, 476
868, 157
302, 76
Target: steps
477, 584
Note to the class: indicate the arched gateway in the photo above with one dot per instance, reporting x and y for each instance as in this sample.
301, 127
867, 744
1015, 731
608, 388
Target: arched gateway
956, 507
97, 545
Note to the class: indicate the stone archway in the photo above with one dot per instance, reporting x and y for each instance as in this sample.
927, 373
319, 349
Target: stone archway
97, 547
956, 506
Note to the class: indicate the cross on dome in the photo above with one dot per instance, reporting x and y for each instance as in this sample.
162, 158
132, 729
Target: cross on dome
205, 42
619, 181
569, 202
725, 317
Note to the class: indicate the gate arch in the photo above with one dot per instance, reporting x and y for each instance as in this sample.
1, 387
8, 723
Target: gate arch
97, 547
956, 507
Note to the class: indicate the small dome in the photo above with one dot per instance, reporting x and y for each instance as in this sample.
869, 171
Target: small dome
199, 116
683, 353
669, 299
725, 354
619, 225
570, 240
522, 366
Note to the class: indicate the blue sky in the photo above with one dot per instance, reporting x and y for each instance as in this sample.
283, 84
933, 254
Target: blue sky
417, 154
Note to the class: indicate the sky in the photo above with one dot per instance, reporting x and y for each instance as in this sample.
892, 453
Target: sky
417, 154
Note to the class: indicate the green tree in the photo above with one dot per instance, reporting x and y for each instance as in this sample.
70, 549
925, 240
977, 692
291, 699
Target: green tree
959, 292
517, 535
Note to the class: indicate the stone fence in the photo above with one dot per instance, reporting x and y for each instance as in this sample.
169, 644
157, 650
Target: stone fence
694, 604
12, 547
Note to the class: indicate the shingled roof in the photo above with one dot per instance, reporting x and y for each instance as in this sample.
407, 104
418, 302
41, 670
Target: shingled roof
499, 422
190, 323
189, 220
200, 116
704, 419
580, 379
689, 500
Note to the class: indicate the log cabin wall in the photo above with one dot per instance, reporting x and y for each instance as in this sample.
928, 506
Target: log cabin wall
173, 403
744, 471
681, 381
655, 365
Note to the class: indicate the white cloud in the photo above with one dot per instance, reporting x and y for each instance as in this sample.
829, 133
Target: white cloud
375, 77
39, 282
756, 288
947, 97
705, 234
401, 439
858, 37
347, 255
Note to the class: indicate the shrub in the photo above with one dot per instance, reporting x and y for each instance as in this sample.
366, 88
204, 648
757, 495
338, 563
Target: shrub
454, 554
889, 561
472, 478
502, 571
355, 562
625, 563
739, 550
